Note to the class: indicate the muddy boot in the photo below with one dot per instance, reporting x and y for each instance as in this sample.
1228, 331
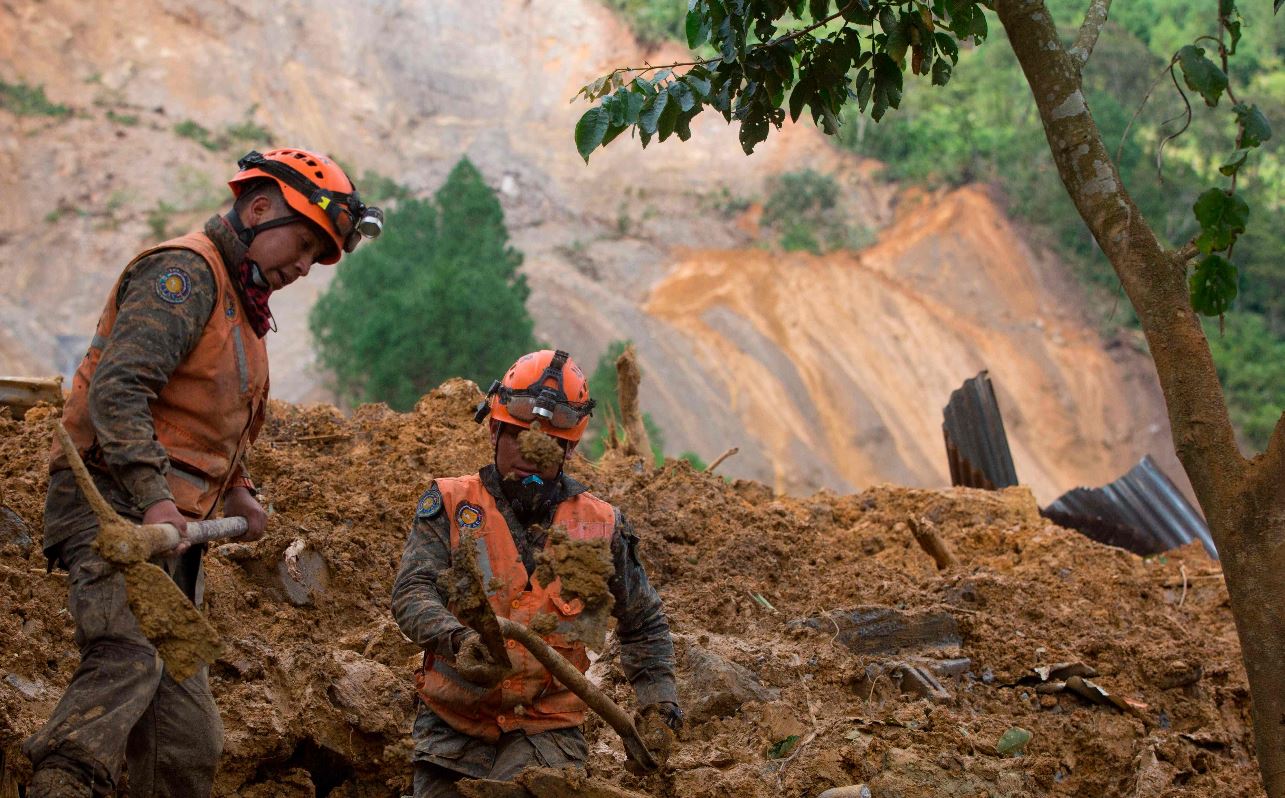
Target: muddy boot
57, 783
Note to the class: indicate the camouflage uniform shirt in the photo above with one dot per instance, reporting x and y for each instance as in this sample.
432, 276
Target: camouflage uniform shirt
646, 649
150, 338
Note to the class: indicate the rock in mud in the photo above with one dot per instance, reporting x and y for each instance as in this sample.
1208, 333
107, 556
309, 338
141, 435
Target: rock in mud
717, 688
366, 690
13, 531
303, 574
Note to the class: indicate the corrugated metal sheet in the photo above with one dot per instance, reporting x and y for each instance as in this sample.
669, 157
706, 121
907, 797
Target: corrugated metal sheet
1142, 511
976, 444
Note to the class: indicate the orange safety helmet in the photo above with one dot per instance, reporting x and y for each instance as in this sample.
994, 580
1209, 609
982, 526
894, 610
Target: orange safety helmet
315, 188
545, 385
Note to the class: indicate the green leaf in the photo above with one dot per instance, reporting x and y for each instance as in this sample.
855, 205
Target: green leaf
1213, 286
668, 118
697, 28
947, 46
1013, 740
782, 748
1222, 217
681, 94
1254, 128
612, 132
633, 103
1201, 75
941, 72
799, 98
590, 130
899, 39
698, 84
684, 125
649, 117
887, 85
819, 9
753, 130
1234, 162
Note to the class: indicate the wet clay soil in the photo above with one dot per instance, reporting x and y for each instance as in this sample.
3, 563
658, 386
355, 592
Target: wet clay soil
317, 698
539, 449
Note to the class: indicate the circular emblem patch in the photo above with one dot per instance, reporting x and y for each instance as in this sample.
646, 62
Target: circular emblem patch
469, 516
430, 504
174, 286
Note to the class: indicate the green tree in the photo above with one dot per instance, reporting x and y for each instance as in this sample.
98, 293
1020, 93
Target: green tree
437, 296
781, 57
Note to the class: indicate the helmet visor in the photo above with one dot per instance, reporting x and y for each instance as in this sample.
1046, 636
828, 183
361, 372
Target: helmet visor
558, 414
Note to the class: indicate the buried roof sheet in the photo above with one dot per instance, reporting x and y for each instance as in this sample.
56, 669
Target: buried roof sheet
976, 444
1142, 511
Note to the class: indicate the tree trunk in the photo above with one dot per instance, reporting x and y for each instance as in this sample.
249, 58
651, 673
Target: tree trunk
1243, 501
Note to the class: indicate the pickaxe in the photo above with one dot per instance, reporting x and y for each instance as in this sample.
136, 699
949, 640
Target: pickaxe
182, 635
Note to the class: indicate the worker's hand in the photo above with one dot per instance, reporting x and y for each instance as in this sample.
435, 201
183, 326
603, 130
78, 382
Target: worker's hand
240, 501
166, 512
475, 664
669, 714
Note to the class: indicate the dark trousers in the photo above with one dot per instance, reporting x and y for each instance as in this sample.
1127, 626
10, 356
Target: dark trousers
121, 708
514, 753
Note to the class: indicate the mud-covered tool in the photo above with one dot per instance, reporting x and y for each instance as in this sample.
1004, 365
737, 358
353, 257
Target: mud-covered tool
464, 583
182, 635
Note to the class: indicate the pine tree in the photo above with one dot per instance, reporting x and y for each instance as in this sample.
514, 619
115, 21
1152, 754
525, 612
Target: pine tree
437, 296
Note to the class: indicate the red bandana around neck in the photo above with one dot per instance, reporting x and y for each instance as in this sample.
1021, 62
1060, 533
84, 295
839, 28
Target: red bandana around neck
256, 300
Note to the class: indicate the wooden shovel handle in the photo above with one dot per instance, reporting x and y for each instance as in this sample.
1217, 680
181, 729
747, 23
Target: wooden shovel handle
167, 537
575, 681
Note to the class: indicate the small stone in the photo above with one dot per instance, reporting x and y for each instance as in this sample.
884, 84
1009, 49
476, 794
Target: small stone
13, 530
26, 688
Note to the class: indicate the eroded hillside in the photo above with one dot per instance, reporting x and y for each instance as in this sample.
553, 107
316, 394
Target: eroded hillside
949, 288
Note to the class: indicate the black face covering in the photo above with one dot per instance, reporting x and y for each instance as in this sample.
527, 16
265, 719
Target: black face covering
531, 498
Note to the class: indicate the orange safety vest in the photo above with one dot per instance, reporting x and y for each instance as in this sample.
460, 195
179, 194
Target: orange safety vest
211, 409
529, 699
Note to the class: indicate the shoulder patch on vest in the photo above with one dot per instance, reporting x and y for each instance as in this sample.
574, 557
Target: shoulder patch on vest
469, 516
174, 286
430, 504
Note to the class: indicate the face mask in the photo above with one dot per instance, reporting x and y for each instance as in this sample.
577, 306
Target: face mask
528, 497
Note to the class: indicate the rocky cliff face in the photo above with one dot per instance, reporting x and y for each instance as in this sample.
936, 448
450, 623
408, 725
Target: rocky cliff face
828, 372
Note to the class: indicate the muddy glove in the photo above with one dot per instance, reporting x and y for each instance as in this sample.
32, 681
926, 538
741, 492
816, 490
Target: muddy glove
669, 714
474, 663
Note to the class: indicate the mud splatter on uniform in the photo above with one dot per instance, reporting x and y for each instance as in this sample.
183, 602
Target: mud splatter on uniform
646, 649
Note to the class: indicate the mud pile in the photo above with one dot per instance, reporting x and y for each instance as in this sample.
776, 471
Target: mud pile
818, 645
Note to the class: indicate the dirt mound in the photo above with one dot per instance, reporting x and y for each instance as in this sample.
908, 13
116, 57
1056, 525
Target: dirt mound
818, 645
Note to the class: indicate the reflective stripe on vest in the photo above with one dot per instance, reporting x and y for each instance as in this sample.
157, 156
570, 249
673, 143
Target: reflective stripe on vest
529, 699
213, 405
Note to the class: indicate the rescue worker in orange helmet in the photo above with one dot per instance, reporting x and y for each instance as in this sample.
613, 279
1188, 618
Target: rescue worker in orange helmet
469, 725
164, 406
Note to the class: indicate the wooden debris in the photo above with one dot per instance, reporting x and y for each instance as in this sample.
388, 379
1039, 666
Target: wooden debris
631, 418
20, 394
930, 540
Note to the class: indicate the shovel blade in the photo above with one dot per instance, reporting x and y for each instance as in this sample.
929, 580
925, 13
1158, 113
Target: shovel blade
182, 635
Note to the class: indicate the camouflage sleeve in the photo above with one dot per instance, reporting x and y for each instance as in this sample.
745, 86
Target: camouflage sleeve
646, 649
163, 305
418, 606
